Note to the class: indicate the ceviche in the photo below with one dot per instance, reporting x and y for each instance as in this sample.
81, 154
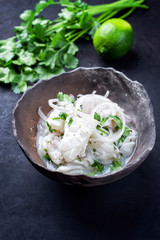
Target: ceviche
88, 135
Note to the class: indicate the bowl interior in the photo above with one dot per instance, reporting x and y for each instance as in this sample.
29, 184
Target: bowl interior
128, 94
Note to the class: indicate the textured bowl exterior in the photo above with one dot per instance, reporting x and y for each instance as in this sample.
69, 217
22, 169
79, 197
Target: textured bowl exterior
130, 95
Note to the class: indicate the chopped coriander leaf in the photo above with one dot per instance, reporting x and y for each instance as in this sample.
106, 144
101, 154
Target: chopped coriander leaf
60, 96
50, 128
92, 173
62, 135
125, 135
79, 159
47, 157
101, 130
115, 164
94, 150
103, 120
126, 132
62, 116
97, 116
64, 97
70, 121
99, 166
121, 154
106, 128
117, 120
79, 110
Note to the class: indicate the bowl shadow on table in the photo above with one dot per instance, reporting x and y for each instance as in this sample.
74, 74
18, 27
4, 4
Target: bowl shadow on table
128, 62
109, 208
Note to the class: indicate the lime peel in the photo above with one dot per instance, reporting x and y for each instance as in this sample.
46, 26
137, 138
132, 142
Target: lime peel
113, 39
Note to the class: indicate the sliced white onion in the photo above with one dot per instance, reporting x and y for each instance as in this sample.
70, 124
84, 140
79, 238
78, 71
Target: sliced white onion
41, 114
128, 119
90, 100
52, 105
106, 94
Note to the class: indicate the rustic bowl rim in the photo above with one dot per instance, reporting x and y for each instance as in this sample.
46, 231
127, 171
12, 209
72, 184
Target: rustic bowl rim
129, 165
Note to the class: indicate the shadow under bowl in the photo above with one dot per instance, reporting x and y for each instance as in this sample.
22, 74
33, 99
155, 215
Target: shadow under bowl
130, 95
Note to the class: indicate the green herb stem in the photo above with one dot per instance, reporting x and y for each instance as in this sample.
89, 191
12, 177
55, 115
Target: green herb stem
94, 10
101, 130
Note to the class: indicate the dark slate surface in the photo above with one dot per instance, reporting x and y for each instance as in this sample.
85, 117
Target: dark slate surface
34, 207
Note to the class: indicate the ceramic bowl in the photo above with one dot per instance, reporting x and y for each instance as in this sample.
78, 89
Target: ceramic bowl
130, 95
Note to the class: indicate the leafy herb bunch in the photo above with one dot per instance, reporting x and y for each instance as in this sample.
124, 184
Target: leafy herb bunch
42, 48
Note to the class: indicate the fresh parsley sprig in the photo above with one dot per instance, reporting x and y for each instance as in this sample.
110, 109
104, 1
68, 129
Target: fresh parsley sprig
42, 48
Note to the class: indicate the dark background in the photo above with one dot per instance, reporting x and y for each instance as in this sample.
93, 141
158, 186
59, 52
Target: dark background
34, 207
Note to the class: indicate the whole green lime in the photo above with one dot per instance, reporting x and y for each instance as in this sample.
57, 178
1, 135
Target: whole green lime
113, 39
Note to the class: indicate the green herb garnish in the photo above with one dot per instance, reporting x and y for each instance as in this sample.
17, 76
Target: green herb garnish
64, 97
121, 154
98, 127
62, 116
116, 164
79, 159
98, 166
103, 120
115, 146
125, 135
97, 116
47, 157
70, 121
117, 120
105, 128
50, 128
